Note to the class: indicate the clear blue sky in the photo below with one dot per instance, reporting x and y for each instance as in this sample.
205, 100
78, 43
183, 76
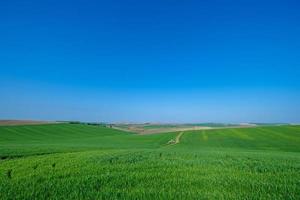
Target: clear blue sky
156, 60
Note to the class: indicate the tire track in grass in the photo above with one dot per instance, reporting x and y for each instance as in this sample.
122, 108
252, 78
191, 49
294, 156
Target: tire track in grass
177, 139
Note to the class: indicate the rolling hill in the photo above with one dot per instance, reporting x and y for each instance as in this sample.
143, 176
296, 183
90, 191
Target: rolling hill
75, 161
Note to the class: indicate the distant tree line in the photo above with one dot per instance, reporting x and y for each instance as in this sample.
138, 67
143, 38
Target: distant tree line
103, 124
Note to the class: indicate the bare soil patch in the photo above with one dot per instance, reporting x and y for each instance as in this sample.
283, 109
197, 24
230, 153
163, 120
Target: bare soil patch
23, 122
144, 131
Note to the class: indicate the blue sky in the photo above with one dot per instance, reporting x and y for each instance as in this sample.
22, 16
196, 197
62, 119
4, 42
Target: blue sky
157, 61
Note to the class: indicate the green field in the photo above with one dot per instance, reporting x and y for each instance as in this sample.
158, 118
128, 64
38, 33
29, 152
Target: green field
75, 161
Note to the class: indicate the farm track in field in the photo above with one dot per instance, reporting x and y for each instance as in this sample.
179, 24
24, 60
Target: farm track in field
178, 137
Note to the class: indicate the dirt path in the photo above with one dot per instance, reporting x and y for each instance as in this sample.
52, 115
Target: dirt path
177, 139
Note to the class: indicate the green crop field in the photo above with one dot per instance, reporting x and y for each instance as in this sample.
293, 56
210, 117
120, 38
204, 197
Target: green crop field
74, 161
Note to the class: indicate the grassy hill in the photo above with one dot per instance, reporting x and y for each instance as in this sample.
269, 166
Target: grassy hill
273, 138
74, 161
